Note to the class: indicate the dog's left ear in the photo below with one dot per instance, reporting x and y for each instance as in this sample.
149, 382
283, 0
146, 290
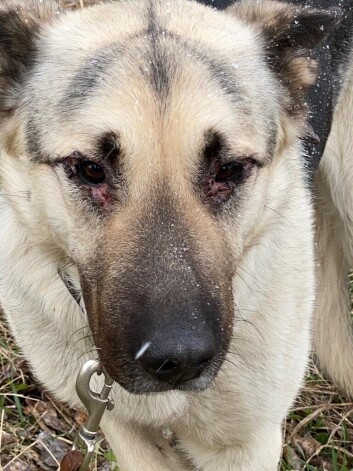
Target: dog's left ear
290, 35
21, 22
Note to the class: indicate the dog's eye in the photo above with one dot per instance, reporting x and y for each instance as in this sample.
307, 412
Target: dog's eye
227, 171
90, 172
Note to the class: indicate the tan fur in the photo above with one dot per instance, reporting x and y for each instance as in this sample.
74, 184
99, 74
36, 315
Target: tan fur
257, 253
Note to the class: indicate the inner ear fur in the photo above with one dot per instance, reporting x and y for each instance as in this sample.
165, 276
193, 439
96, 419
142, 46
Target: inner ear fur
20, 24
290, 34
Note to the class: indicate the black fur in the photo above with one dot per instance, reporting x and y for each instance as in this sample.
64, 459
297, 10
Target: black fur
20, 25
33, 139
17, 54
219, 4
332, 56
90, 76
108, 146
159, 73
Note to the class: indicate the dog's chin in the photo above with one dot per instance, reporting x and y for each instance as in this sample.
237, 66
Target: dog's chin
142, 384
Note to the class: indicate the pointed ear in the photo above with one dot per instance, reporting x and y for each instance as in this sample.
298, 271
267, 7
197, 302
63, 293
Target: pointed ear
290, 34
20, 24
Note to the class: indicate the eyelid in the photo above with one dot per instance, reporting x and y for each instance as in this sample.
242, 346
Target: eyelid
87, 158
77, 157
242, 159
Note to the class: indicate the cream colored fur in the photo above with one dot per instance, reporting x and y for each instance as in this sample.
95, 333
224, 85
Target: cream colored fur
333, 332
236, 424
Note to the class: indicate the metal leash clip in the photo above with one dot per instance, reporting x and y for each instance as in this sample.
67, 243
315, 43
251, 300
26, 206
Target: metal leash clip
96, 404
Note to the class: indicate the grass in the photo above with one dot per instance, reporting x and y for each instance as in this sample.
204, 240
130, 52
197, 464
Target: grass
36, 430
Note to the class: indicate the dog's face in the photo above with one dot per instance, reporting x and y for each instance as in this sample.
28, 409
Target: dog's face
139, 131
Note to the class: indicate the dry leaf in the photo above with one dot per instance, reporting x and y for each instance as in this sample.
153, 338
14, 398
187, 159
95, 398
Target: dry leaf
307, 444
292, 458
71, 461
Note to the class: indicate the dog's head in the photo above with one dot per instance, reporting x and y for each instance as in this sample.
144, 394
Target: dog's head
144, 135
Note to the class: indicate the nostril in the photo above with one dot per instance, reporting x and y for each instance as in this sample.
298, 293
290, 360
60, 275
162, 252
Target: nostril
168, 367
203, 363
175, 362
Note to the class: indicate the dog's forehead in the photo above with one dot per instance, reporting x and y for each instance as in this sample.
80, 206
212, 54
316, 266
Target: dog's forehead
136, 67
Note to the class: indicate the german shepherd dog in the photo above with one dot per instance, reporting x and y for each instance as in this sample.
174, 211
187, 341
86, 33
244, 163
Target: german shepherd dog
160, 210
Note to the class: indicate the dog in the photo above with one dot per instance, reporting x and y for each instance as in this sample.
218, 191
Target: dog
160, 210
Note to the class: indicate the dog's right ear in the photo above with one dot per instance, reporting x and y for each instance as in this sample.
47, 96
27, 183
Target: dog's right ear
20, 24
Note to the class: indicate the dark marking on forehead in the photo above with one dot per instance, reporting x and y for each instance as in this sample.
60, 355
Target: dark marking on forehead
163, 62
158, 60
91, 75
158, 51
96, 68
108, 147
215, 144
221, 70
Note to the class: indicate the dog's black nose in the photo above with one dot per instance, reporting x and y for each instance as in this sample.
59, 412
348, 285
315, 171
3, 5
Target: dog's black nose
174, 362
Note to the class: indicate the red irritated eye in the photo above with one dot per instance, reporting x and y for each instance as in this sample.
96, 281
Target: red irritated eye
235, 171
90, 172
225, 178
227, 171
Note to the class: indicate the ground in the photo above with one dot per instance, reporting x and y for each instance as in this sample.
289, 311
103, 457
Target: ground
36, 431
